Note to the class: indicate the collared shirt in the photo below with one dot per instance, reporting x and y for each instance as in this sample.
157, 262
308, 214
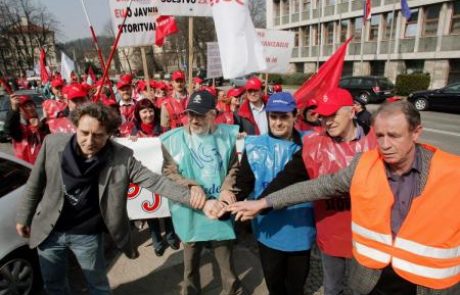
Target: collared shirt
404, 188
127, 103
260, 116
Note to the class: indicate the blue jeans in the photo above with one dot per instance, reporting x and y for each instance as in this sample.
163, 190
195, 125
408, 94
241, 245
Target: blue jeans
88, 250
155, 231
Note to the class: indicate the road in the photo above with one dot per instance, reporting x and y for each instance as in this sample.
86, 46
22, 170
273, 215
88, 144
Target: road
439, 129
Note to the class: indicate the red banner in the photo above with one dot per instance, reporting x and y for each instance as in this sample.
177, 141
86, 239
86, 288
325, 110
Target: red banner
165, 26
44, 75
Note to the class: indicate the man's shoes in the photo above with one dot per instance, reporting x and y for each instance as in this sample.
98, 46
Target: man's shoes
160, 249
174, 244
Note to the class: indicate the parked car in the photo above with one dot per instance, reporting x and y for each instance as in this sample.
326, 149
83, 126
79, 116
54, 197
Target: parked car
19, 271
443, 99
5, 106
373, 89
239, 81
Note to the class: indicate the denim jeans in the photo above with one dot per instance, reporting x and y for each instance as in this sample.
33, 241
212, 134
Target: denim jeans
89, 251
335, 270
155, 231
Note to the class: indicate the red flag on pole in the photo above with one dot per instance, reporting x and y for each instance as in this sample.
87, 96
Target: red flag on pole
367, 10
165, 26
327, 77
44, 76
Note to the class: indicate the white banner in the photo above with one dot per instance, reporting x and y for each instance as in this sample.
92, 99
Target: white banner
139, 28
278, 47
184, 7
214, 67
67, 67
240, 50
143, 204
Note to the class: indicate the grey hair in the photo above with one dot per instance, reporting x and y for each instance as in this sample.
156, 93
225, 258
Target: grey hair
409, 111
106, 116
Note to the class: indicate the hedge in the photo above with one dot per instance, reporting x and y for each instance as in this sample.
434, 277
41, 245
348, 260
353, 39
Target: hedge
289, 79
408, 83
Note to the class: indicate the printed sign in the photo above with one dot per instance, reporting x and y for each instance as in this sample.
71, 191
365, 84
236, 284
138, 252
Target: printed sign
184, 7
214, 66
142, 203
278, 47
139, 28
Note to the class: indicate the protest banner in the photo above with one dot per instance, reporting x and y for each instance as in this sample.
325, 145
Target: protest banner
214, 66
143, 204
278, 47
184, 7
139, 28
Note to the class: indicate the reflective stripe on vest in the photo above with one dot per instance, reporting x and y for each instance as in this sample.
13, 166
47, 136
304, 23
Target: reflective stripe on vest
427, 251
370, 234
372, 253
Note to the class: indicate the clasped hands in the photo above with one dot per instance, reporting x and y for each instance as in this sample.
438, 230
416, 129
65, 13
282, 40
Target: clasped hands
216, 208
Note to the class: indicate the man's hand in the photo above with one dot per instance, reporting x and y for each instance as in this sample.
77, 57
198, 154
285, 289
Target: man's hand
14, 100
213, 209
247, 210
23, 230
197, 197
227, 197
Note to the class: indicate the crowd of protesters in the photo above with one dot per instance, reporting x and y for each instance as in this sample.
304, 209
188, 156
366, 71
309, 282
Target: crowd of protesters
77, 188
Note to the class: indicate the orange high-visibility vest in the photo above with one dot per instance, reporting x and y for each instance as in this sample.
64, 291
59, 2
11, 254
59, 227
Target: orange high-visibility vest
426, 250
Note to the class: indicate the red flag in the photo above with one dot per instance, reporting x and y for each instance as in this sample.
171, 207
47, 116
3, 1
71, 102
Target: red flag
367, 10
165, 26
91, 74
327, 77
44, 76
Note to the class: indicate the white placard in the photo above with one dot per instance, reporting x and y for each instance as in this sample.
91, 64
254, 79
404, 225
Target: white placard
184, 7
139, 28
143, 204
214, 67
278, 47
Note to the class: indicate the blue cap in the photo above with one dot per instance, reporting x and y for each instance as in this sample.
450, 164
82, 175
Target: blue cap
282, 102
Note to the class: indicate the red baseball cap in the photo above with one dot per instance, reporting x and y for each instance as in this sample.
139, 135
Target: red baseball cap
253, 84
125, 80
311, 103
161, 85
57, 82
178, 75
197, 80
153, 84
209, 89
108, 101
141, 85
333, 100
76, 91
23, 99
235, 92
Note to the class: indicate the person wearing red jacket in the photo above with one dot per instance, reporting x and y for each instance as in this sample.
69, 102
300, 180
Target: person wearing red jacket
56, 107
127, 103
252, 111
172, 109
24, 127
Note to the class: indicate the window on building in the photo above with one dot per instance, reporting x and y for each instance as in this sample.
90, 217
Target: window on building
295, 6
377, 68
454, 71
306, 36
286, 8
306, 5
344, 30
329, 32
411, 25
357, 27
315, 32
430, 26
414, 66
389, 21
374, 28
455, 25
296, 38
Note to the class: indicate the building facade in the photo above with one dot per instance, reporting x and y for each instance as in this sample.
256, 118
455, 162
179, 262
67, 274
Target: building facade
387, 45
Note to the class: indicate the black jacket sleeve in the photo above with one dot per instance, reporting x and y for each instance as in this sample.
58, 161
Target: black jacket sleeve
13, 125
245, 180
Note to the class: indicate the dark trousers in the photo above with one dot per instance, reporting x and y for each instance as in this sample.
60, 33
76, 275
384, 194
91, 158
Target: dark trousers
285, 272
392, 284
155, 231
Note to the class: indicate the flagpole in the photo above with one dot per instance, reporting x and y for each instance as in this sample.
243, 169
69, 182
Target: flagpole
391, 35
320, 35
266, 83
114, 47
93, 34
146, 69
362, 44
190, 54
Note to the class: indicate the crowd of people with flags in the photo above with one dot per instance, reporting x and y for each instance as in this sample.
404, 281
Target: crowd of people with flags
287, 141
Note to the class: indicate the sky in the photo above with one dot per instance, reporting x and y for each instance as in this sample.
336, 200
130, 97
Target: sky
71, 20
